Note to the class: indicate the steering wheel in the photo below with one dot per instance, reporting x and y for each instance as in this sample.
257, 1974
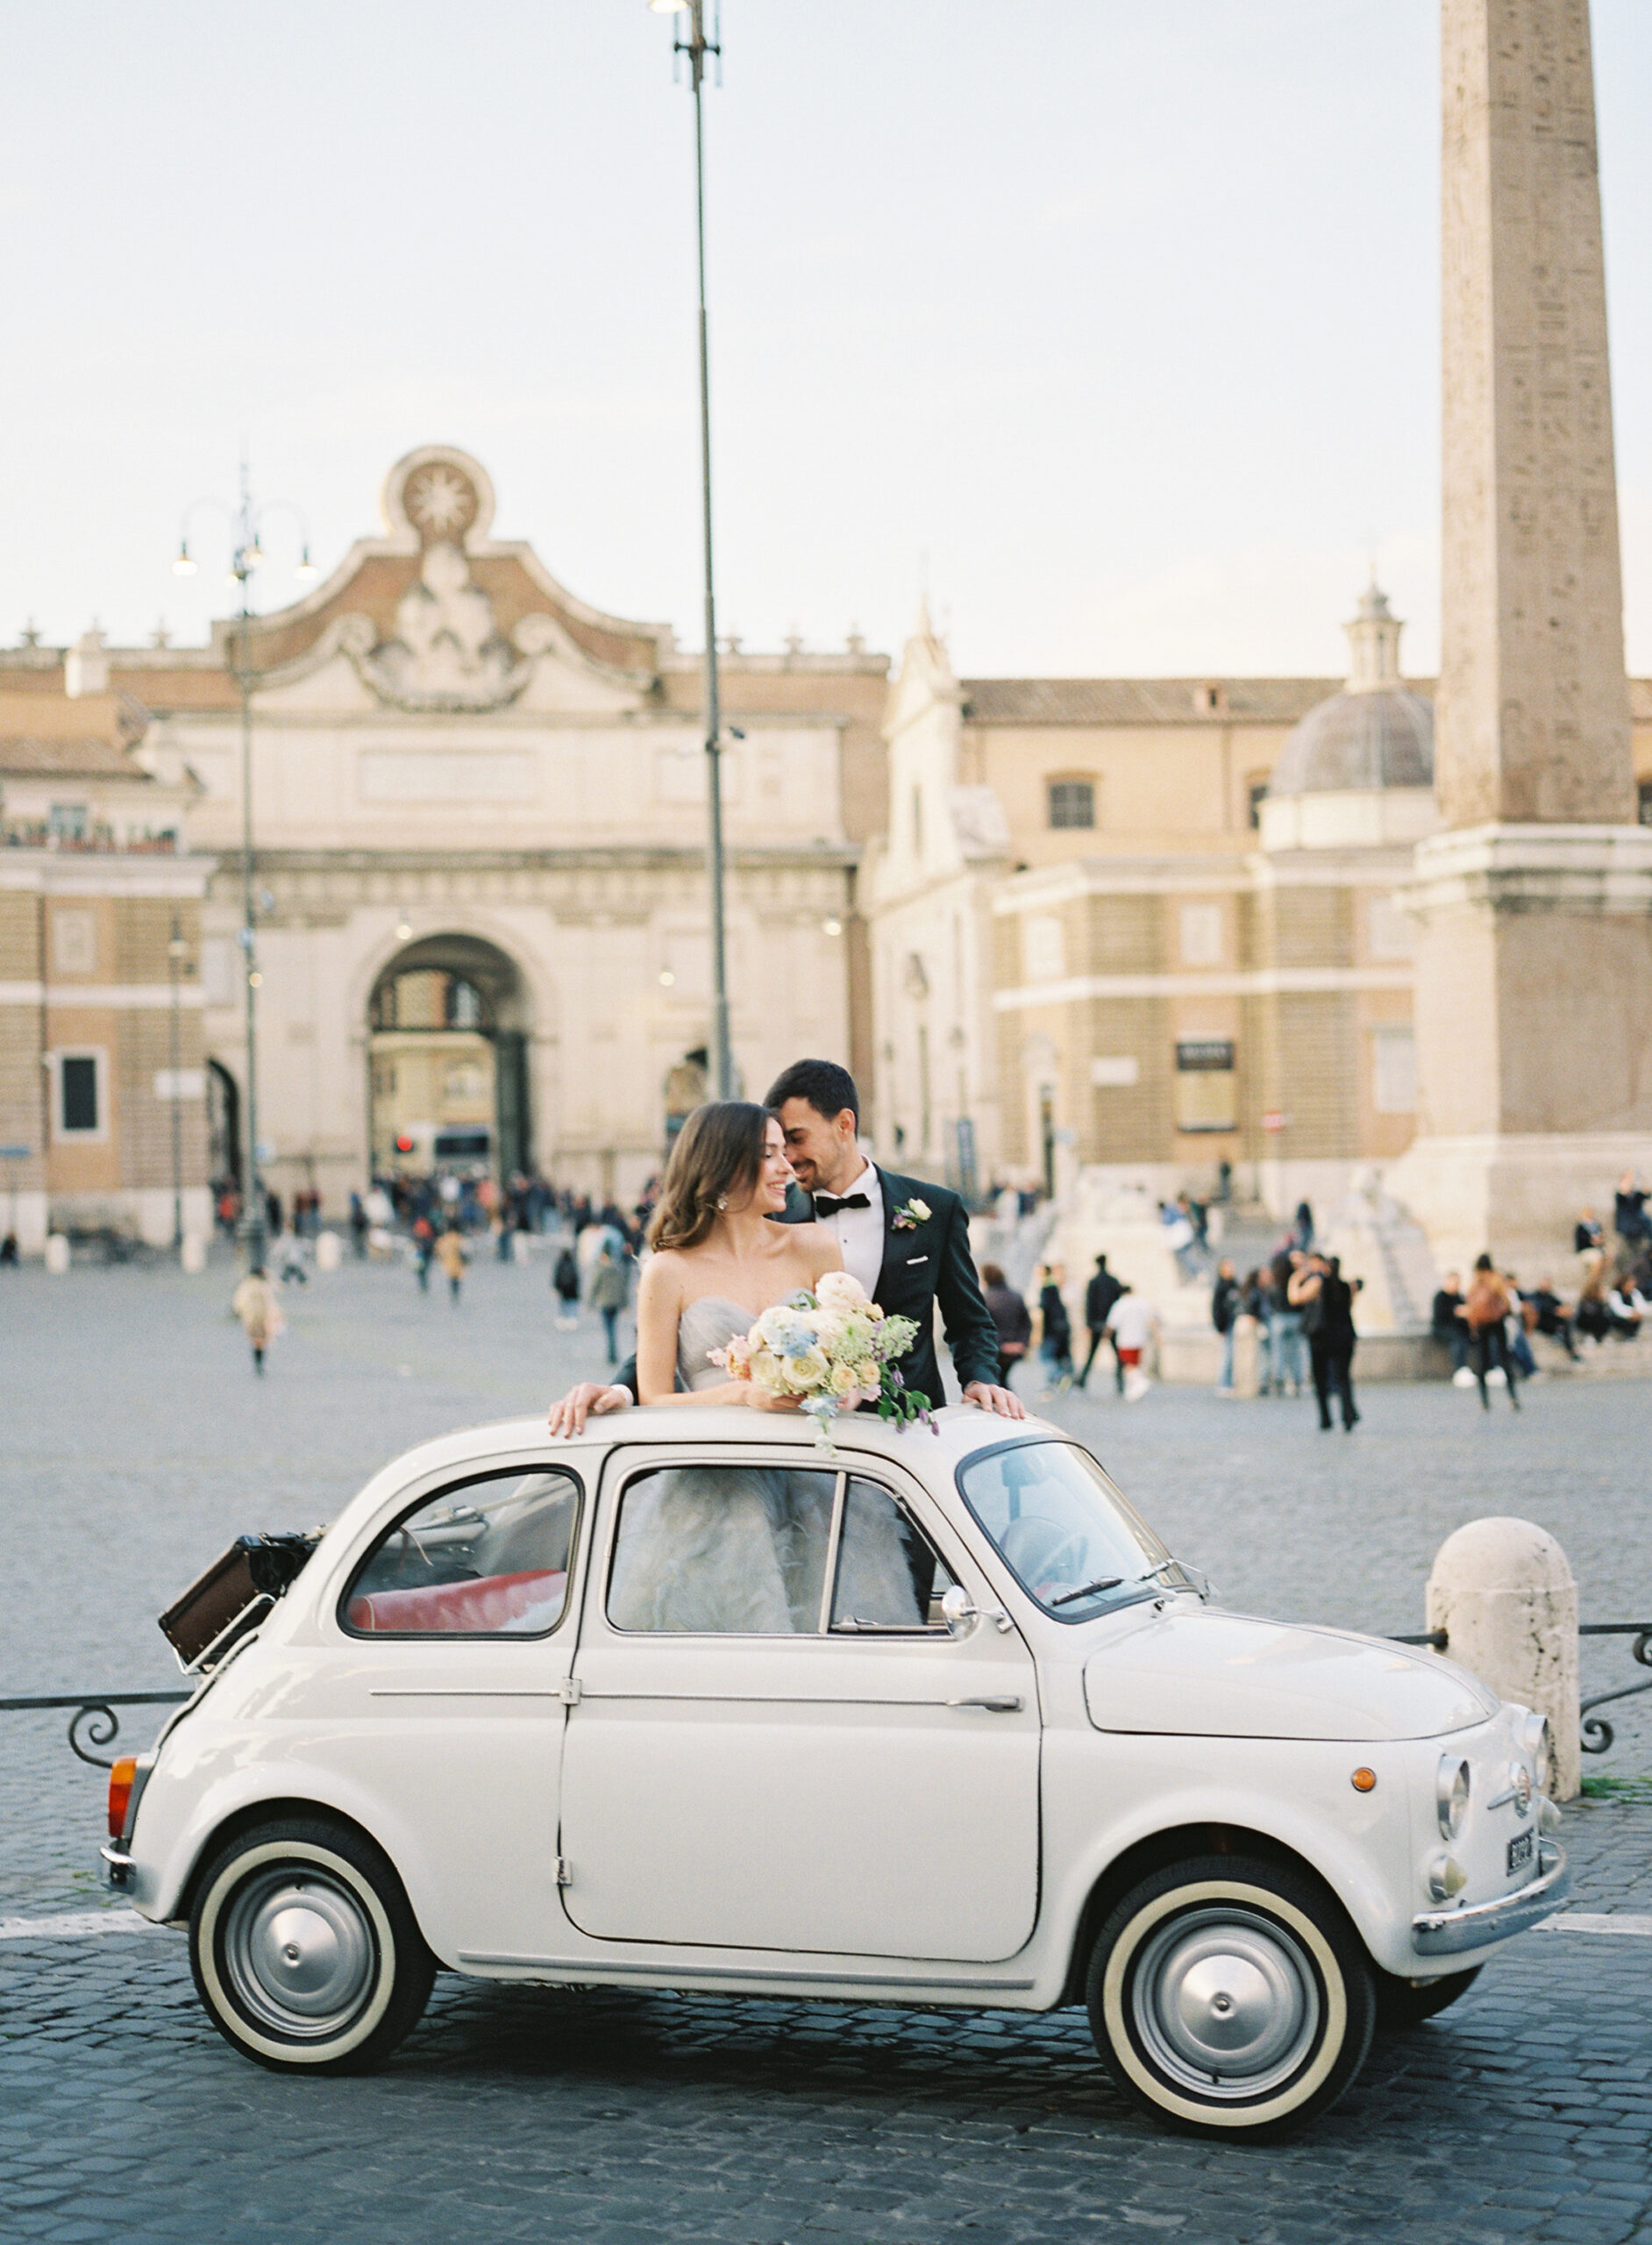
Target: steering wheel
1048, 1562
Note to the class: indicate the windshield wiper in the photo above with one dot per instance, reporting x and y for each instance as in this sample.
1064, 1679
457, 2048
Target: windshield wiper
1090, 1590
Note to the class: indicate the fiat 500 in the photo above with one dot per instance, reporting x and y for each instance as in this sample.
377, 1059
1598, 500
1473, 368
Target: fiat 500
691, 1702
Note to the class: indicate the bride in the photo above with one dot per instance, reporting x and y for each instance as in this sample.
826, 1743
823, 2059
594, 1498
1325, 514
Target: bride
745, 1551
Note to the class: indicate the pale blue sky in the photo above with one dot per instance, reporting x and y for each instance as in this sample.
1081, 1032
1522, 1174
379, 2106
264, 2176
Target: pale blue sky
1124, 315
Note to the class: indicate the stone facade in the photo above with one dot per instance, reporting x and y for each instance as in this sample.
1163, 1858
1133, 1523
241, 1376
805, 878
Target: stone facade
102, 1080
460, 771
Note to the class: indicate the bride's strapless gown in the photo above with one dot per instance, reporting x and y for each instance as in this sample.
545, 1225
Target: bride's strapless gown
744, 1550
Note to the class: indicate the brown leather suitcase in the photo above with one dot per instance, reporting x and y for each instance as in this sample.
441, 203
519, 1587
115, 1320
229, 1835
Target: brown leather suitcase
238, 1588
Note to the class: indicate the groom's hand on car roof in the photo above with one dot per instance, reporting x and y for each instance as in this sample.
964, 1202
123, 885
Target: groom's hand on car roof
590, 1398
1001, 1400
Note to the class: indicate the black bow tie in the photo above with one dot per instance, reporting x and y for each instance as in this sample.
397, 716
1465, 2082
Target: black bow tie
826, 1206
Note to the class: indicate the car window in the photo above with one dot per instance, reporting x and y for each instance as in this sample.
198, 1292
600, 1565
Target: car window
889, 1575
722, 1550
485, 1558
1068, 1534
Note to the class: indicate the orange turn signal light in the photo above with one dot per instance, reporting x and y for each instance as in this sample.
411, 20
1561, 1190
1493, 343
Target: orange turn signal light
121, 1776
1364, 1781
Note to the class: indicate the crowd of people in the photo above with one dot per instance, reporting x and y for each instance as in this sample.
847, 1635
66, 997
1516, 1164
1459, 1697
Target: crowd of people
1487, 1325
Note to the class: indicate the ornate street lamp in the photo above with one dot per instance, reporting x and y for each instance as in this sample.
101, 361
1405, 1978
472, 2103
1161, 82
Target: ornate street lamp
690, 39
245, 555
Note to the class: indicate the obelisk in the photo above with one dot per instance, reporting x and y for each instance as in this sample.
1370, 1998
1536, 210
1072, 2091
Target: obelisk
1534, 1002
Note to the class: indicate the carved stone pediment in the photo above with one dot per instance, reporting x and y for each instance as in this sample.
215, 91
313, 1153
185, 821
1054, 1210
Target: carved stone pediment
447, 653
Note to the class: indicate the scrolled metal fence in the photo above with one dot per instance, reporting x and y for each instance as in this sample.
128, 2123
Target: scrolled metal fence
94, 1721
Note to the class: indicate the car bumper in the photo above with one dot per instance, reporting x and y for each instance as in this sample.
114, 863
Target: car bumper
1450, 1933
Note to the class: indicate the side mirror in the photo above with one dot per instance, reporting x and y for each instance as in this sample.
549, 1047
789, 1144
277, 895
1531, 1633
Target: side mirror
958, 1611
963, 1616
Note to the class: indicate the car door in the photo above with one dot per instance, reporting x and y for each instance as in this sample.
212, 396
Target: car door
445, 1714
776, 1743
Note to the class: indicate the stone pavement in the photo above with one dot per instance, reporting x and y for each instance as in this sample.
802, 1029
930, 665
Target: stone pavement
135, 1443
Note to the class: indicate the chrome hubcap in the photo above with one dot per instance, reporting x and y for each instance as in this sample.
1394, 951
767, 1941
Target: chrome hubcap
299, 1951
1225, 2002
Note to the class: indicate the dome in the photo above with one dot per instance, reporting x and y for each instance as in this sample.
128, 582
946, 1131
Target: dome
1375, 733
1357, 741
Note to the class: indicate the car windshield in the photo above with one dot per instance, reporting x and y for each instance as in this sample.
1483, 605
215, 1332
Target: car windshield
1072, 1542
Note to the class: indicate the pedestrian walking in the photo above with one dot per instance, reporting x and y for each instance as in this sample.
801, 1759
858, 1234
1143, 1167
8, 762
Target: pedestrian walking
1099, 1294
1055, 1331
1224, 1315
565, 1280
1326, 1300
452, 1255
423, 1248
1011, 1316
609, 1291
254, 1303
1485, 1311
1133, 1323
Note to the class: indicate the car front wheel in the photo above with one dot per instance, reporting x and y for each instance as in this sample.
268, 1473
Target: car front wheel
1229, 1995
304, 1949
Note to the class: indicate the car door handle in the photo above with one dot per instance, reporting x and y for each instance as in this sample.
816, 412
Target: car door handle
1005, 1705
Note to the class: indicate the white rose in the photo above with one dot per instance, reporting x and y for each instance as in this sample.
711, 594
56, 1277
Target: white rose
920, 1209
839, 1291
802, 1374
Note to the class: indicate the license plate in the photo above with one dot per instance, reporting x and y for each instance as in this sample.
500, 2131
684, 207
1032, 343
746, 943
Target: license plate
1520, 1850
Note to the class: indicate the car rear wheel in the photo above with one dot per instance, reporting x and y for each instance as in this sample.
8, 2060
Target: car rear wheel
1407, 2003
304, 1949
1230, 1996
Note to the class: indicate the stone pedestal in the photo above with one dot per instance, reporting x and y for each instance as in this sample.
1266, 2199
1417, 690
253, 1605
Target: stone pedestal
1533, 1024
1502, 1590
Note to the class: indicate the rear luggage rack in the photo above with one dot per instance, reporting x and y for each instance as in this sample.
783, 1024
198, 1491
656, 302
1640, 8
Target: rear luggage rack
233, 1596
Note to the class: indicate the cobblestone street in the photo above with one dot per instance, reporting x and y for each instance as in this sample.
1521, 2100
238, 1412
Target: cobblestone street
137, 1443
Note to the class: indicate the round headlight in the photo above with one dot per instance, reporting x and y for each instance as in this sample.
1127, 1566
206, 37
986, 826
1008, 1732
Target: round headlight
1537, 1744
1451, 1794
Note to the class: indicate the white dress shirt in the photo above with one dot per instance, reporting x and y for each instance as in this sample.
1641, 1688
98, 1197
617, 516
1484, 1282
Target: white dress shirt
859, 1232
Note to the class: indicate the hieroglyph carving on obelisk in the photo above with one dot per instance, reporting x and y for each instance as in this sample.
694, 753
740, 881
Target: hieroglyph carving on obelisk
1533, 715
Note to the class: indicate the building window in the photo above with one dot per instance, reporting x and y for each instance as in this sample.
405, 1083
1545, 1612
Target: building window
1394, 1071
1042, 951
80, 1096
1072, 802
1643, 796
1256, 796
1206, 1084
1201, 935
74, 940
68, 822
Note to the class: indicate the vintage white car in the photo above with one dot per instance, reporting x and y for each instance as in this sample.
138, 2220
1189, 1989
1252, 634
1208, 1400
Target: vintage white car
933, 1718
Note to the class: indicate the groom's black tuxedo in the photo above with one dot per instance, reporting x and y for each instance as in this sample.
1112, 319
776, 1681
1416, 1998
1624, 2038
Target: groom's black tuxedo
925, 1264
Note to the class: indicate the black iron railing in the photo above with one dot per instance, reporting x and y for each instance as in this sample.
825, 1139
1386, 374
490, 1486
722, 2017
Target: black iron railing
94, 1721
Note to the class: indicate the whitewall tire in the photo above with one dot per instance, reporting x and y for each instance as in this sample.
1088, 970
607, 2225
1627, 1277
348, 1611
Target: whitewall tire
305, 1952
1230, 1996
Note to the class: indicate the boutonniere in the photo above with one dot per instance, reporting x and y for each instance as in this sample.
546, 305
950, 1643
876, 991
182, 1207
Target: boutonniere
910, 1215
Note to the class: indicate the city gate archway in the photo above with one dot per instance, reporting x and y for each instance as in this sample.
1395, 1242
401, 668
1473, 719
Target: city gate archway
448, 1028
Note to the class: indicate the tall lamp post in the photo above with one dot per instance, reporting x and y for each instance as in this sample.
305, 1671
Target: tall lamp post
691, 40
245, 557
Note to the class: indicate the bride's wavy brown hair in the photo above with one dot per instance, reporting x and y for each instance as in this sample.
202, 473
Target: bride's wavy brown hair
718, 1156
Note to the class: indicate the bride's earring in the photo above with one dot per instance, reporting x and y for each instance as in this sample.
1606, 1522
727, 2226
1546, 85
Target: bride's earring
722, 1200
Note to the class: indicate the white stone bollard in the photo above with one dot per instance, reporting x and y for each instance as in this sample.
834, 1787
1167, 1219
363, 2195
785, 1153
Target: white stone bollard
329, 1250
192, 1256
56, 1253
1502, 1590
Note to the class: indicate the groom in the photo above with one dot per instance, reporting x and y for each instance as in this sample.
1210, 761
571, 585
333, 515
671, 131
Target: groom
907, 1243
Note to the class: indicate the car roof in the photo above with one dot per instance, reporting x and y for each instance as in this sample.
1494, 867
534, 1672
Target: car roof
954, 1434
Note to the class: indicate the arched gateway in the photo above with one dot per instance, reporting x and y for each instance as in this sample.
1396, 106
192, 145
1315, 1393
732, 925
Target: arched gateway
447, 1048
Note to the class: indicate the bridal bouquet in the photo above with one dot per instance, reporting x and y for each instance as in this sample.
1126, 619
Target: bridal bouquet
835, 1349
